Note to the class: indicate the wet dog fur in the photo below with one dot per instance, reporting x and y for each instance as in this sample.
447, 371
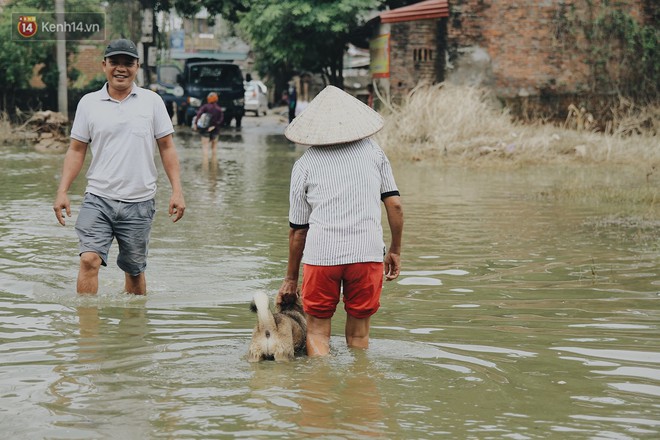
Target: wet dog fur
277, 336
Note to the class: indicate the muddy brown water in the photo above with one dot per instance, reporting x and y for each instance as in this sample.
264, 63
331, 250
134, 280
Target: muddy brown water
516, 315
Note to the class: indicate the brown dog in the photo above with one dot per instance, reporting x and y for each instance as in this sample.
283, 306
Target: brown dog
279, 336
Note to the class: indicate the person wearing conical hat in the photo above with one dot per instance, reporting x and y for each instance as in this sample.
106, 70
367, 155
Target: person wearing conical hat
335, 218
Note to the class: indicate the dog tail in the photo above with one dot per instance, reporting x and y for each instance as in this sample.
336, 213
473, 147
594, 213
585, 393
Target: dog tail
260, 305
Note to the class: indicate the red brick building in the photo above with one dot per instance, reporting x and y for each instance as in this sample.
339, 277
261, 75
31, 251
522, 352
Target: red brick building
525, 48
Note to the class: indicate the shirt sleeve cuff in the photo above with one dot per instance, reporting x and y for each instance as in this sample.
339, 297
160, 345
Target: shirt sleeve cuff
385, 195
295, 226
80, 138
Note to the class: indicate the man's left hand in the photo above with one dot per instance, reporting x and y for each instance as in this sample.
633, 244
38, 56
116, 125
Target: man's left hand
177, 207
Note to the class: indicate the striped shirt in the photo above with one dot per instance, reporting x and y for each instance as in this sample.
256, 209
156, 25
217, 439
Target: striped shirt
336, 191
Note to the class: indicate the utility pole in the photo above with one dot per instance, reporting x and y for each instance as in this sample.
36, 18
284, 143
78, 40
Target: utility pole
63, 83
146, 42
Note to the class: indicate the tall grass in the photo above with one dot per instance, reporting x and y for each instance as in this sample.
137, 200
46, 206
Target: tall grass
467, 124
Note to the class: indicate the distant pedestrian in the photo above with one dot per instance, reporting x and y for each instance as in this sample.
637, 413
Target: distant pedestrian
207, 124
370, 96
293, 102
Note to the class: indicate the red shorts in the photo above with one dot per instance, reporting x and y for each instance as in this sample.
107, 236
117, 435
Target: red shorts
322, 286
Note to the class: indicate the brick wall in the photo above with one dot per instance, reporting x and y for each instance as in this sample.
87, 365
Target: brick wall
413, 54
533, 46
88, 62
526, 48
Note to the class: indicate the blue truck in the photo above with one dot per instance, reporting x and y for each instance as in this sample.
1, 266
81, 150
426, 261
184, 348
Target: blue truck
185, 91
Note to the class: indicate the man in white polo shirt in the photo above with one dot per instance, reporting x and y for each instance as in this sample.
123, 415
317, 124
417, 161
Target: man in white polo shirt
119, 124
337, 187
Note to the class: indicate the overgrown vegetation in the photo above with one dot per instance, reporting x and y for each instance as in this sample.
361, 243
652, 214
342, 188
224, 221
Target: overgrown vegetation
622, 54
460, 123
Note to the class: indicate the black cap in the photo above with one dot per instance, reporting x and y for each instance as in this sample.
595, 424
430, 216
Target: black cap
121, 47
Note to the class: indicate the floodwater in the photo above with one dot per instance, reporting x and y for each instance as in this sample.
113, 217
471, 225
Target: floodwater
517, 315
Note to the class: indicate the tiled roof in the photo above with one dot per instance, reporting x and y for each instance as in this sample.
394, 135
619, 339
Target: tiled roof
425, 10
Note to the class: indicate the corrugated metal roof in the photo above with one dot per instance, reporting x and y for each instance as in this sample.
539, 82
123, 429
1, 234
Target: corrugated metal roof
425, 10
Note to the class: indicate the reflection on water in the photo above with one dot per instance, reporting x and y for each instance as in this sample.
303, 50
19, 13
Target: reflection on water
516, 315
320, 396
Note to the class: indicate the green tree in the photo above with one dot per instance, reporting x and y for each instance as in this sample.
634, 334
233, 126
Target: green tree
17, 60
290, 36
304, 35
229, 9
123, 19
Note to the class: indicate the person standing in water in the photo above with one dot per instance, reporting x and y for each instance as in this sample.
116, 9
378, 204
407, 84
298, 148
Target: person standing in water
335, 197
208, 120
121, 124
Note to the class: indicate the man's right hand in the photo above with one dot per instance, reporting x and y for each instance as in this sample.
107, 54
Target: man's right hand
288, 293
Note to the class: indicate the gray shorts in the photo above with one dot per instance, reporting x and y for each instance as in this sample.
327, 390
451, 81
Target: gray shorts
101, 220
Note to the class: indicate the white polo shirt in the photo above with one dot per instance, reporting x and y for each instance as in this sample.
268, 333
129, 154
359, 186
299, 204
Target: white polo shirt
336, 191
121, 136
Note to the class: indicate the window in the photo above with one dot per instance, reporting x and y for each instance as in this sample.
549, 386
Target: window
421, 55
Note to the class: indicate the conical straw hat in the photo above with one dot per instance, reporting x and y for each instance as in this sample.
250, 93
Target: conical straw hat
333, 117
